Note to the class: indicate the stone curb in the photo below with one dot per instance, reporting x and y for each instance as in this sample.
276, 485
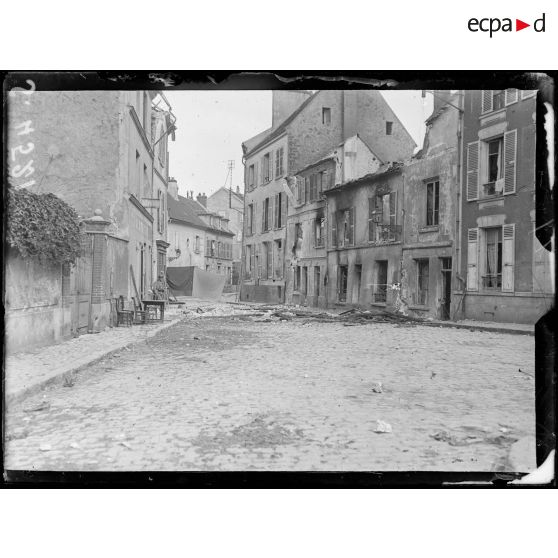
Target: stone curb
17, 396
494, 329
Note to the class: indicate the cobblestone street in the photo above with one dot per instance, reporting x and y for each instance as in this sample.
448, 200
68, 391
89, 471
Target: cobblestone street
230, 393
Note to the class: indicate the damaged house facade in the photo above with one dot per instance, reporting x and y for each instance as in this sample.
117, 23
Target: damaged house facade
297, 140
364, 253
430, 199
508, 271
307, 221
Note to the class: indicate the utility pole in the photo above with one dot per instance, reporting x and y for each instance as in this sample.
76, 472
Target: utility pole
230, 166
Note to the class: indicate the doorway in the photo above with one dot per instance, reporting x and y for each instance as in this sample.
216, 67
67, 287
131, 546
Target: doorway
342, 283
445, 309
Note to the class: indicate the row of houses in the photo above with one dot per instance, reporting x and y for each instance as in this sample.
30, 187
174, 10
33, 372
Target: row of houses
342, 210
104, 153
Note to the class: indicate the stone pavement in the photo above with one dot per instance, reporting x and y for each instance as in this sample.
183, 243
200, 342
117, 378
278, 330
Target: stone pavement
230, 393
28, 372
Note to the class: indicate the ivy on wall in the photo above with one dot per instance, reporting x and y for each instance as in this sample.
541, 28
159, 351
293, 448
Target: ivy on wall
42, 226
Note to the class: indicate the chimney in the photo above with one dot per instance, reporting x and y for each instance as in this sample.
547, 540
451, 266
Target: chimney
173, 188
441, 97
202, 198
284, 103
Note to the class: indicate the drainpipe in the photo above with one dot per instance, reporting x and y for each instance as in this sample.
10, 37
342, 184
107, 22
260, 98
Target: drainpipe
243, 245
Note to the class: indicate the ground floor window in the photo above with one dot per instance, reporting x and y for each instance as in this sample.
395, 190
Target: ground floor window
304, 281
297, 278
492, 278
317, 280
278, 259
380, 292
422, 282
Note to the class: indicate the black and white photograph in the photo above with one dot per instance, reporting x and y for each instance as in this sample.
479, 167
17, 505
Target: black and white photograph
320, 278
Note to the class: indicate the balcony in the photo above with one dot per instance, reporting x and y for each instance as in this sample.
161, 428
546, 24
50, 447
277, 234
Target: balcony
387, 233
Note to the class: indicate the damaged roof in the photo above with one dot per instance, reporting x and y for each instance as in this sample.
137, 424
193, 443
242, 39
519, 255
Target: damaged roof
384, 170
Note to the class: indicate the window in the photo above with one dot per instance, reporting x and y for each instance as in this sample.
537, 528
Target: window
266, 169
304, 281
432, 203
300, 190
389, 128
197, 245
348, 227
380, 291
498, 99
422, 282
212, 250
251, 176
279, 163
266, 221
297, 238
326, 116
279, 210
319, 232
494, 168
248, 263
382, 217
250, 219
492, 277
278, 259
313, 187
269, 259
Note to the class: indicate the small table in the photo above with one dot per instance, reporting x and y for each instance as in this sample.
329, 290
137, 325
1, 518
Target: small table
159, 306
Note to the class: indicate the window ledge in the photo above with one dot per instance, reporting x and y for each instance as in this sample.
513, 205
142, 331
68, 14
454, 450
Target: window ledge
429, 228
492, 113
491, 198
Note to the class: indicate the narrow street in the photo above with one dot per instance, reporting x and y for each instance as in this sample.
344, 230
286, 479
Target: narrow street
232, 393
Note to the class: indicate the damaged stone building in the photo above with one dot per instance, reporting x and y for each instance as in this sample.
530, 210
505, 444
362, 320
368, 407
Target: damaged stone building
305, 129
431, 195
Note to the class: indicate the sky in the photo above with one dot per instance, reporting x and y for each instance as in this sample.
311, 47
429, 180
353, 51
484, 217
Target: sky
211, 126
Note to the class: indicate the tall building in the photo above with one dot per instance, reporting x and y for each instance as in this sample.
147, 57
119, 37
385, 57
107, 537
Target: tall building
320, 122
504, 269
105, 154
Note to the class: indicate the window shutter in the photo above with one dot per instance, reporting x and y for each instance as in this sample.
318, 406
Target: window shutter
276, 210
352, 226
306, 190
371, 207
283, 210
511, 96
256, 174
528, 93
508, 257
263, 216
253, 261
271, 165
262, 171
333, 229
486, 100
510, 150
473, 260
473, 149
392, 208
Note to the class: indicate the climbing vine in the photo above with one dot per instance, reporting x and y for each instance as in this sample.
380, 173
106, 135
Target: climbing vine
42, 226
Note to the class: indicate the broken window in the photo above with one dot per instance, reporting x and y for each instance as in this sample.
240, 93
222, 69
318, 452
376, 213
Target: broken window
380, 291
382, 217
326, 116
422, 282
432, 202
348, 227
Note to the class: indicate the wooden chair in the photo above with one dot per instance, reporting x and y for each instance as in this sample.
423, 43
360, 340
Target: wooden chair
123, 317
140, 315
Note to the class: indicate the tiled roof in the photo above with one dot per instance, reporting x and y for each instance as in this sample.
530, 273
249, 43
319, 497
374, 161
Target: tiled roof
186, 210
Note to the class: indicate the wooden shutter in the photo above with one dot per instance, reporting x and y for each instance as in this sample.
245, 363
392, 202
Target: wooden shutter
256, 174
511, 96
473, 150
276, 210
528, 93
283, 210
306, 190
510, 151
253, 261
263, 216
334, 229
270, 166
473, 260
486, 100
508, 257
371, 212
352, 226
